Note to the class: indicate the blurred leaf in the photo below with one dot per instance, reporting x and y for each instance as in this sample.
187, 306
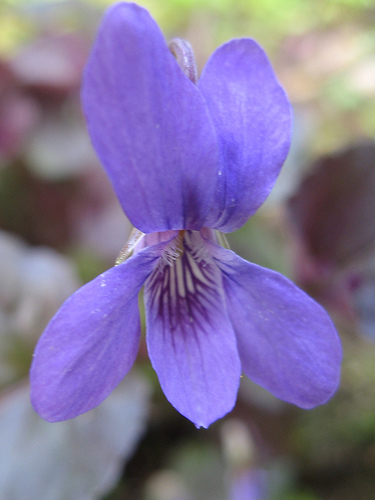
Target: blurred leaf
249, 485
333, 210
77, 459
52, 63
166, 485
335, 443
201, 466
59, 151
34, 283
262, 240
363, 295
18, 115
34, 208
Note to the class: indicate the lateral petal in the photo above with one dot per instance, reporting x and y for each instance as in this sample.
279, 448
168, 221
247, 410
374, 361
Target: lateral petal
149, 124
92, 341
191, 341
252, 117
286, 341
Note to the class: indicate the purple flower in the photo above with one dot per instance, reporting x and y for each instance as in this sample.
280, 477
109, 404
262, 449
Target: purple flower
186, 162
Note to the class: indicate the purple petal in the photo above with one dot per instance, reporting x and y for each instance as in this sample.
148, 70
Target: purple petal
252, 117
91, 343
190, 339
149, 124
286, 341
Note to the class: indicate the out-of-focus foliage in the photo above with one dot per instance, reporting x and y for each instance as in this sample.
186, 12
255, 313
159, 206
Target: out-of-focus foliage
34, 282
332, 216
80, 458
61, 225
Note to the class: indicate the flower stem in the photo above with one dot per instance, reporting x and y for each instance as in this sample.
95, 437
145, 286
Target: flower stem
183, 52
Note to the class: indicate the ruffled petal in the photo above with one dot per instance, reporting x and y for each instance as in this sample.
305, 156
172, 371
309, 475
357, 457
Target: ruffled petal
253, 120
286, 341
91, 343
149, 124
190, 339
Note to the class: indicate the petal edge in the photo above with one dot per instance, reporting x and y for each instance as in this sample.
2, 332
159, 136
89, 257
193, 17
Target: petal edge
253, 120
91, 342
286, 341
149, 124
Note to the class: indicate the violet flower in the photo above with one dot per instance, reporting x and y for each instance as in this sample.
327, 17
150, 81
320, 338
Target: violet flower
186, 161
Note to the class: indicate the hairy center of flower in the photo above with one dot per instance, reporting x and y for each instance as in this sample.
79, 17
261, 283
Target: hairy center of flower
184, 284
174, 251
176, 247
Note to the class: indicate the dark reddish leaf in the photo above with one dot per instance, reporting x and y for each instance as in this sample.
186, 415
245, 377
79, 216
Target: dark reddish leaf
334, 209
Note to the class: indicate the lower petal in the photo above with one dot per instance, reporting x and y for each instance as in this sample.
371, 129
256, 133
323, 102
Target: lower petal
191, 341
92, 341
286, 341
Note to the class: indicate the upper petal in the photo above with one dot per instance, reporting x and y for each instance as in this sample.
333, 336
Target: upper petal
190, 339
91, 343
149, 124
253, 119
286, 341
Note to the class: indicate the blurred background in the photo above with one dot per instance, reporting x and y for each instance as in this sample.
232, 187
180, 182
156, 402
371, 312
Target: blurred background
61, 225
